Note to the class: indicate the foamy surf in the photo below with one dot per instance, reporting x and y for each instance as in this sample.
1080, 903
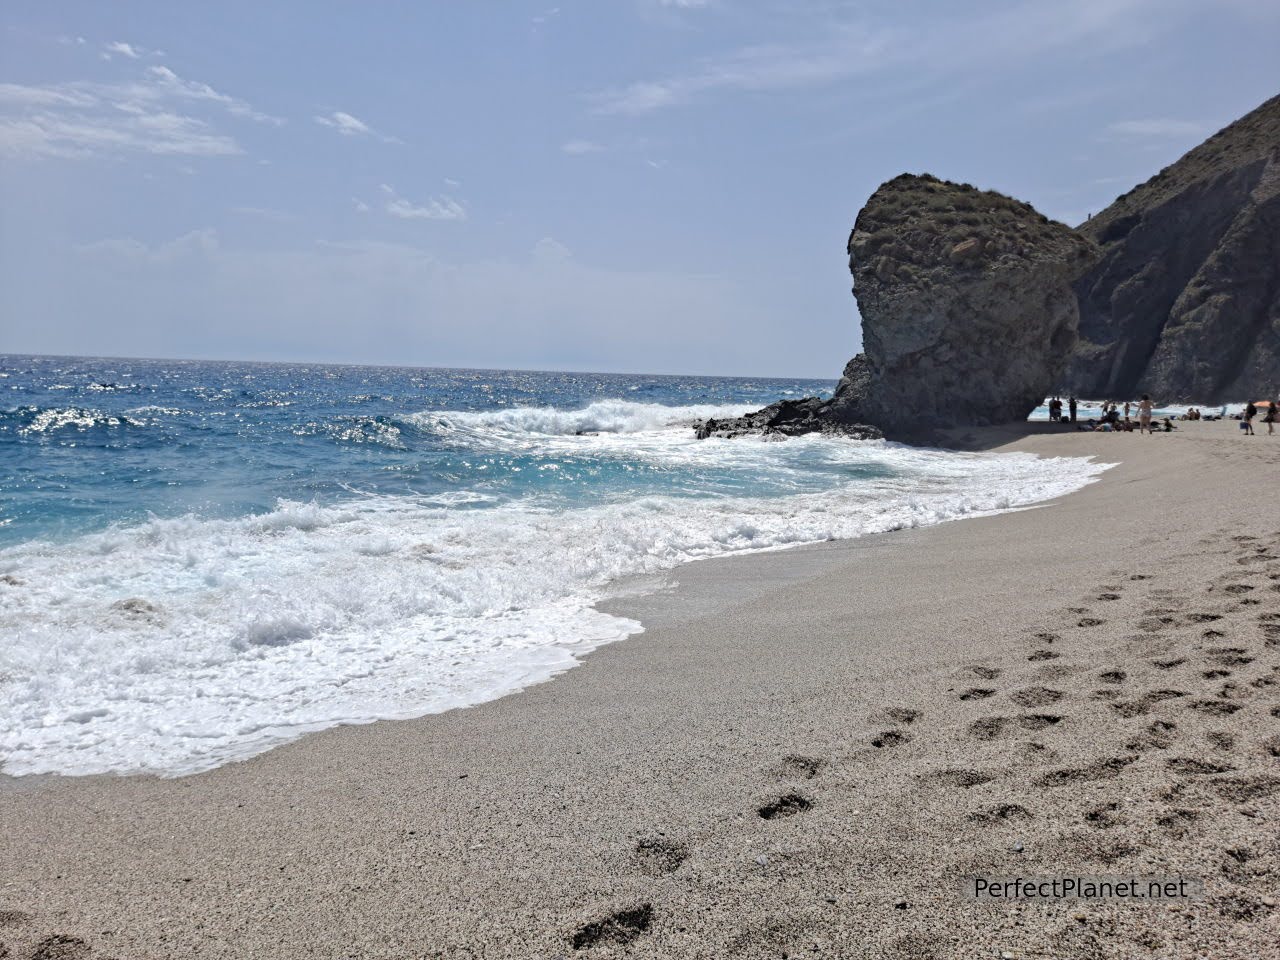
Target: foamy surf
175, 645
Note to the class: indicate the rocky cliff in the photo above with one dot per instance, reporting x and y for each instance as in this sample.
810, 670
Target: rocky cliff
968, 315
1184, 303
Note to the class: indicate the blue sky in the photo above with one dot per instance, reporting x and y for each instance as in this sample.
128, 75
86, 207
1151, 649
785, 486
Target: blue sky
620, 185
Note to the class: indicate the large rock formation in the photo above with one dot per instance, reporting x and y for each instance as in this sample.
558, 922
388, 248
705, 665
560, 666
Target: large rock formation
1185, 301
968, 315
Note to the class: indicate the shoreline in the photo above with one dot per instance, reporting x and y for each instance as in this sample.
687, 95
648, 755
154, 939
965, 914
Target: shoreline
632, 786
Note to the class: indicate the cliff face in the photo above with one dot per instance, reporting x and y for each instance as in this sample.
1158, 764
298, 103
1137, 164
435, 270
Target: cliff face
1184, 303
968, 313
968, 316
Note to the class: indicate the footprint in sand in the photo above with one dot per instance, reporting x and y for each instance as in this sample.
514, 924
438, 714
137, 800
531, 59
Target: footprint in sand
986, 673
1221, 740
619, 927
1104, 816
977, 693
904, 715
1134, 708
1036, 697
890, 738
1099, 770
787, 805
1214, 708
1090, 622
795, 766
988, 728
957, 778
999, 814
1191, 766
60, 946
1112, 676
1178, 820
1230, 656
1043, 655
1038, 721
1168, 664
658, 855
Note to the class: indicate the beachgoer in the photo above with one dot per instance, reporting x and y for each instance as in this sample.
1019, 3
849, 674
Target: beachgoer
1071, 405
1126, 409
1144, 414
1250, 411
1270, 418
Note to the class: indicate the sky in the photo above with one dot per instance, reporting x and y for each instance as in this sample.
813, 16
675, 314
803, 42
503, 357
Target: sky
656, 186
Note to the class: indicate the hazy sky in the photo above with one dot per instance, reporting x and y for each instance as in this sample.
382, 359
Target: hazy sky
634, 185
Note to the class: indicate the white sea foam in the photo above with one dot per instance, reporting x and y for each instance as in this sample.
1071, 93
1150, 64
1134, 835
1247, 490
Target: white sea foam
603, 416
177, 645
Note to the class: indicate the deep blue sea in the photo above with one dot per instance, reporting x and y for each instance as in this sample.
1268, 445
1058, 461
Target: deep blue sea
201, 560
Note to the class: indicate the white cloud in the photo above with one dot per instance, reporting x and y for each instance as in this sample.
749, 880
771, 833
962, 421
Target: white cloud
839, 48
175, 86
437, 208
344, 123
576, 148
757, 68
1155, 128
124, 49
360, 205
349, 125
149, 115
550, 250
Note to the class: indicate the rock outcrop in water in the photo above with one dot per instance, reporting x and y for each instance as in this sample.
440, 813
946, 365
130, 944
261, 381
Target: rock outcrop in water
1185, 301
968, 315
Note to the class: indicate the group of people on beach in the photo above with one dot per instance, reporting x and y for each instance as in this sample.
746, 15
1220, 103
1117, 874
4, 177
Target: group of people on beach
1111, 421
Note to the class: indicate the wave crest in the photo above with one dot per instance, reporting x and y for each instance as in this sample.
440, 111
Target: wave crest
602, 416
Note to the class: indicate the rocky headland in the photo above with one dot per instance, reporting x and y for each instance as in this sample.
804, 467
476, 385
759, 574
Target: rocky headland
975, 306
1184, 303
968, 313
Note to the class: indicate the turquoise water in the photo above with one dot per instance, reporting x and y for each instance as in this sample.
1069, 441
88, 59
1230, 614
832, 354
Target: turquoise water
199, 561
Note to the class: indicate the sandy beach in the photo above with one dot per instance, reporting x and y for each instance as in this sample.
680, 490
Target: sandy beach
804, 754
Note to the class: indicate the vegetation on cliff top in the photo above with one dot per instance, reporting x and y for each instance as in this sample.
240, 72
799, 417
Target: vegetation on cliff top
919, 228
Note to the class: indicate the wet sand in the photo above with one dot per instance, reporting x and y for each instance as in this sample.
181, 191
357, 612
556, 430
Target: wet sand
805, 754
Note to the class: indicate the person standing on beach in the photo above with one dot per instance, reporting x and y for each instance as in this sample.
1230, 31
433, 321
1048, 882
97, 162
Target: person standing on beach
1270, 418
1250, 411
1127, 408
1071, 405
1144, 414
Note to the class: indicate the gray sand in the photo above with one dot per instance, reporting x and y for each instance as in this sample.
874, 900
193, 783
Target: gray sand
1091, 687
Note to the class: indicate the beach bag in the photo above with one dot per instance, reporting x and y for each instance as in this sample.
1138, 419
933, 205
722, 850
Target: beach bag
1244, 425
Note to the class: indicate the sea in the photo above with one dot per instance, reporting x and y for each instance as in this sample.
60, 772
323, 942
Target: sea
200, 561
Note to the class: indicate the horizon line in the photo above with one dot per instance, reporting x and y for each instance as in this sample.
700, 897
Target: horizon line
399, 366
